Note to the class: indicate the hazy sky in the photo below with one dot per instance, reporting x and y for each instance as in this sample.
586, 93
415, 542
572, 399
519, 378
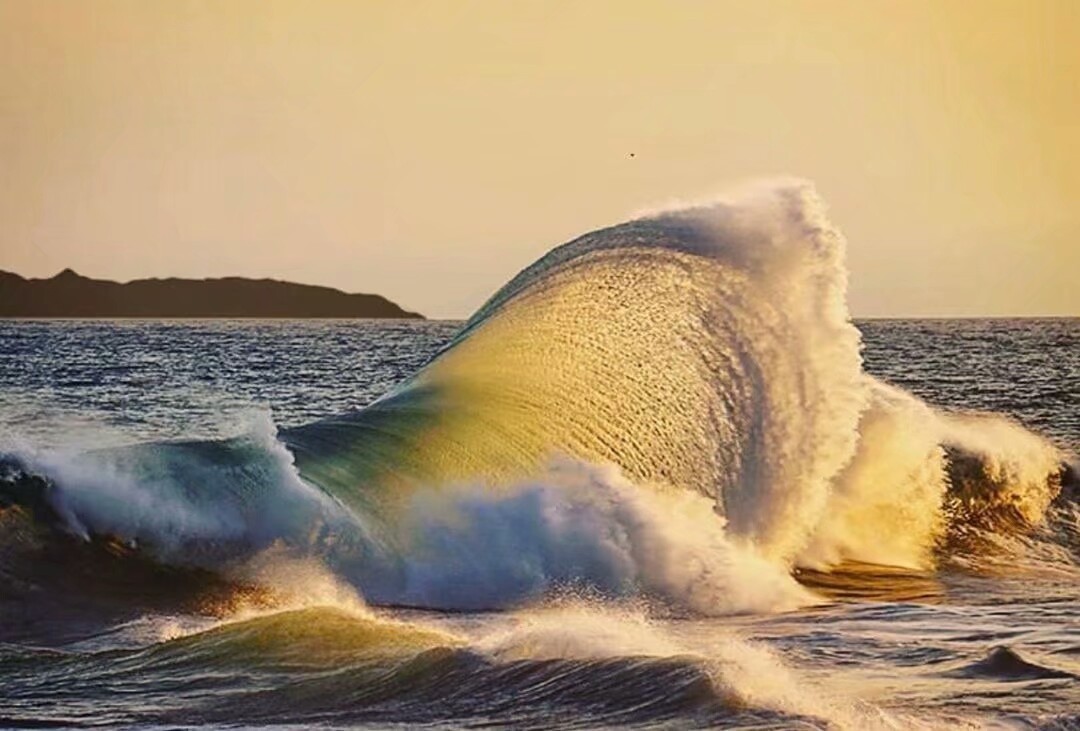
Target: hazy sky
427, 151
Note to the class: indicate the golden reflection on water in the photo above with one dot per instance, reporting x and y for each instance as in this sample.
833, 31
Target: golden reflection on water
854, 581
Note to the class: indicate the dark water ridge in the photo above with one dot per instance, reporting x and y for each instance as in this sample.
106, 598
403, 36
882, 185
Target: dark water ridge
325, 665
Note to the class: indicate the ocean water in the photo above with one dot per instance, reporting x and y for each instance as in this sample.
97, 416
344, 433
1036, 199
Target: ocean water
659, 480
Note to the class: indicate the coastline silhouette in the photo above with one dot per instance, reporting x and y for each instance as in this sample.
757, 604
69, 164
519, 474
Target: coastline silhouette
69, 294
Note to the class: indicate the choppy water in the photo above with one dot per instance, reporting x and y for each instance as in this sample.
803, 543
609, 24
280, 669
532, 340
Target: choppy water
198, 582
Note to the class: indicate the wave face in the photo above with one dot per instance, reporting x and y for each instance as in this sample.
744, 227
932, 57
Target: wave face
708, 349
674, 405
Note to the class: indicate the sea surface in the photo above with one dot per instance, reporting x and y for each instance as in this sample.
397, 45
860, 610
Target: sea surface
313, 523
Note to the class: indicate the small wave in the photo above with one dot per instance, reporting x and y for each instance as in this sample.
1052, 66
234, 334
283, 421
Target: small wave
583, 664
296, 639
1006, 664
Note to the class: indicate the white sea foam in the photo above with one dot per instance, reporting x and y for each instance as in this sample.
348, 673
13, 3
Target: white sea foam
468, 547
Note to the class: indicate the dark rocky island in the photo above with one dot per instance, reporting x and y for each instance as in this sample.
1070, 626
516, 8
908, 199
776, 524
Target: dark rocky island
72, 295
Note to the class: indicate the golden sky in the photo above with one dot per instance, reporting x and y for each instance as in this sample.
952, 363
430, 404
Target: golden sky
427, 151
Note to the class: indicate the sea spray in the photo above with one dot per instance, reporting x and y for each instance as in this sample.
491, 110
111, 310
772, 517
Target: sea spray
471, 548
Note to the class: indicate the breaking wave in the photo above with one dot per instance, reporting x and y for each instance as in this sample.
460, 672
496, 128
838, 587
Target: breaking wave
672, 407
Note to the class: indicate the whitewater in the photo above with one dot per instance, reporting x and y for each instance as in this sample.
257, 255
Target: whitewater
650, 482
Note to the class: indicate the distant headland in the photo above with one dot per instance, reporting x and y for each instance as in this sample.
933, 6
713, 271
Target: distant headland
69, 294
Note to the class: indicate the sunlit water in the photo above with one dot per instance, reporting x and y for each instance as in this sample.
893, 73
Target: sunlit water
918, 651
658, 479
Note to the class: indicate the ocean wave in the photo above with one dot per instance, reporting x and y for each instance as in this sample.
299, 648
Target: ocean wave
672, 407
